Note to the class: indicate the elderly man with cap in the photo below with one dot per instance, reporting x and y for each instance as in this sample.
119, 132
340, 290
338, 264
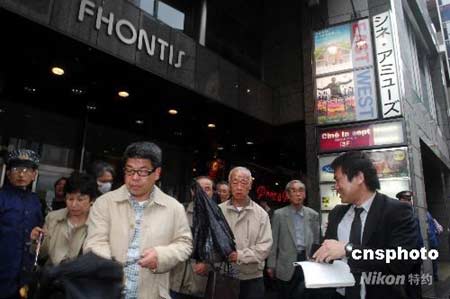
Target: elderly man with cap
20, 211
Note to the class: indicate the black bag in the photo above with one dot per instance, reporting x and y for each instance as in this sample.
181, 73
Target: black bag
222, 286
86, 277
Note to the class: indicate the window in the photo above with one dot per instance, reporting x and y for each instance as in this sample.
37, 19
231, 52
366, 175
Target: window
148, 6
164, 12
171, 16
421, 78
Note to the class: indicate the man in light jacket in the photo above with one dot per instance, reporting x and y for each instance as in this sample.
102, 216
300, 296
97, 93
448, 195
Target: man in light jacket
140, 226
295, 228
251, 228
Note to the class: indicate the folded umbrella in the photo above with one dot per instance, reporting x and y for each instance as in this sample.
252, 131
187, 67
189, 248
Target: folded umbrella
213, 238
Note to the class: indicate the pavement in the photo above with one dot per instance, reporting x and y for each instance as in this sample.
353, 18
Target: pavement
441, 288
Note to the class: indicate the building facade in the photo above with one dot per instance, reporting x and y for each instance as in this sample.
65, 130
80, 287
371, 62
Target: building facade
254, 71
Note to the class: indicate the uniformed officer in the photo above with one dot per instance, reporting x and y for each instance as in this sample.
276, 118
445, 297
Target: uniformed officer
20, 211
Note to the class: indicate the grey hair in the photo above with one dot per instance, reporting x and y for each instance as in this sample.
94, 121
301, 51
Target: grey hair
241, 169
289, 185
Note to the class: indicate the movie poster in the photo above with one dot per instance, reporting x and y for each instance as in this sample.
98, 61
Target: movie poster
329, 198
391, 163
343, 47
333, 49
345, 78
346, 97
335, 98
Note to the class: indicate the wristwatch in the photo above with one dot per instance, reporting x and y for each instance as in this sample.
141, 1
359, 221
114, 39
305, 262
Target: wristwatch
348, 249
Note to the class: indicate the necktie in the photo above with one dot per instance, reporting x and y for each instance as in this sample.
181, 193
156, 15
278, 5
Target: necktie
355, 231
355, 239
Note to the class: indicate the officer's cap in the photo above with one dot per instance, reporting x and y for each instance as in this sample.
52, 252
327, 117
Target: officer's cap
22, 158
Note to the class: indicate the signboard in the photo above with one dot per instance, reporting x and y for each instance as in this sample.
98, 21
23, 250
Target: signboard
328, 197
391, 187
392, 170
387, 65
324, 222
346, 97
345, 79
326, 173
390, 163
265, 192
346, 138
129, 34
343, 47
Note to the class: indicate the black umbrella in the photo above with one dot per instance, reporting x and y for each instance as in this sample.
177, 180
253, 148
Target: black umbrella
213, 238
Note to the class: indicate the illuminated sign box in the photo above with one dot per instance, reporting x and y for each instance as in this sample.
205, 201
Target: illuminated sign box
385, 47
361, 136
392, 170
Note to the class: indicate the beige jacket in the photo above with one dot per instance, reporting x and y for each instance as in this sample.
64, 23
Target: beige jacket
164, 228
253, 236
183, 278
59, 243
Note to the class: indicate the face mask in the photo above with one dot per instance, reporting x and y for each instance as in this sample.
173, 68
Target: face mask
104, 187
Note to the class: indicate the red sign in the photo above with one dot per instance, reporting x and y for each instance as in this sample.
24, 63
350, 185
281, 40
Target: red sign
346, 138
264, 192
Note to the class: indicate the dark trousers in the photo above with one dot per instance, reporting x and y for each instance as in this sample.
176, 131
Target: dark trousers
176, 295
252, 289
294, 288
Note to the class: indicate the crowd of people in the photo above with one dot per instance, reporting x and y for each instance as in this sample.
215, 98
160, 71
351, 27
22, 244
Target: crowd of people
150, 232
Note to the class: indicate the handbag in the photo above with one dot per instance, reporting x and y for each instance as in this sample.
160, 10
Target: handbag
222, 285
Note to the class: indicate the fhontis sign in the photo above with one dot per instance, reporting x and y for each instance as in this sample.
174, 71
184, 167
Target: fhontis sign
128, 34
386, 65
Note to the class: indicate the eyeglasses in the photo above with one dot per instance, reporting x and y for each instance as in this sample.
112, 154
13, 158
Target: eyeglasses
140, 172
243, 182
293, 190
22, 170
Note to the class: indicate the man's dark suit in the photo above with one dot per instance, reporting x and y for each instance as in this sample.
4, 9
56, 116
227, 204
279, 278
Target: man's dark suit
389, 224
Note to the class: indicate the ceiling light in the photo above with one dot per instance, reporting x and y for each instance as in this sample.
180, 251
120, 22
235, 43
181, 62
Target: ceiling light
91, 107
123, 94
211, 125
58, 71
173, 111
220, 148
248, 90
139, 122
276, 183
77, 91
30, 89
249, 142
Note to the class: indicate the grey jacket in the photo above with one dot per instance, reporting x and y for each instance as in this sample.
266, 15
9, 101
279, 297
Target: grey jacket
284, 251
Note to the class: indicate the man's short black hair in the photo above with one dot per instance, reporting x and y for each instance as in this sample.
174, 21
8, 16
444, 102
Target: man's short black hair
83, 183
405, 194
144, 150
353, 162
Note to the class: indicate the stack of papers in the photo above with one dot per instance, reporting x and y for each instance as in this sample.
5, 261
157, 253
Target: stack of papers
320, 275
